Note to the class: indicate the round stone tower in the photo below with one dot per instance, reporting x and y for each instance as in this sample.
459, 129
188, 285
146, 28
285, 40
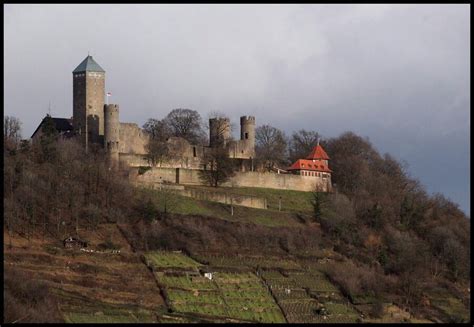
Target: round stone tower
247, 131
219, 131
112, 130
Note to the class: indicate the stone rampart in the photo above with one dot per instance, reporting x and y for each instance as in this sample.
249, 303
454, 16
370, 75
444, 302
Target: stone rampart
277, 181
240, 179
133, 139
132, 160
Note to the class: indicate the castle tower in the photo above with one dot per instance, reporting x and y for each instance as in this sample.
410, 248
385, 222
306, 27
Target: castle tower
247, 133
219, 131
88, 101
112, 133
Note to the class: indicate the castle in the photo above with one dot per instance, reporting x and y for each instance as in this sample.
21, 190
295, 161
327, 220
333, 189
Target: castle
97, 124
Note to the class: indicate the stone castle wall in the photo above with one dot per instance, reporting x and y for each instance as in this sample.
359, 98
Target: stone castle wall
241, 149
156, 175
132, 160
241, 179
279, 181
132, 139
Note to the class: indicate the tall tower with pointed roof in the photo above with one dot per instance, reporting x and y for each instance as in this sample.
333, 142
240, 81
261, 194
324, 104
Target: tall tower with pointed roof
88, 101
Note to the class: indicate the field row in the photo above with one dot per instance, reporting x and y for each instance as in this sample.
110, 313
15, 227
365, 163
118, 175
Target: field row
166, 259
308, 297
240, 296
249, 261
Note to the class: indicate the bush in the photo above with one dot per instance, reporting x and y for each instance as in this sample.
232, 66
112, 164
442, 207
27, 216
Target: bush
52, 249
147, 209
27, 300
108, 245
338, 218
357, 281
377, 309
143, 169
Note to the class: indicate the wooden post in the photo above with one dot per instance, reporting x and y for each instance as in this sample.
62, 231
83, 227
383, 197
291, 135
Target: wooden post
279, 203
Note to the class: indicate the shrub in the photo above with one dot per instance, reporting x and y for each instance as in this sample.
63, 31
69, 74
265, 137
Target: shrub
27, 300
377, 309
356, 281
108, 245
143, 169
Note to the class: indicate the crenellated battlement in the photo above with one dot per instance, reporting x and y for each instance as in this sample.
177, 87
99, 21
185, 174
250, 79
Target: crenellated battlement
111, 108
247, 120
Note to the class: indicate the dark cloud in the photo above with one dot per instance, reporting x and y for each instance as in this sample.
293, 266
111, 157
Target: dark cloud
398, 74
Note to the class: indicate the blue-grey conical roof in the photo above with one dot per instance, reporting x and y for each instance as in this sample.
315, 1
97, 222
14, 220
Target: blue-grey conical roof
88, 65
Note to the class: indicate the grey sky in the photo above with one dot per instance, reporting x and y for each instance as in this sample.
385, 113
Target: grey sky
398, 74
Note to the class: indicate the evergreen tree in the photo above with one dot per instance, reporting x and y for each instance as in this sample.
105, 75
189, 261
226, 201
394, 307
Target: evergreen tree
48, 139
318, 202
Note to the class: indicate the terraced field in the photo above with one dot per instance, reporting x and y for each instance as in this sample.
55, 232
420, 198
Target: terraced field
248, 261
77, 309
302, 295
229, 295
120, 288
91, 287
309, 297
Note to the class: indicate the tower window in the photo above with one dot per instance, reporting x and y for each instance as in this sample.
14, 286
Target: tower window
194, 151
246, 136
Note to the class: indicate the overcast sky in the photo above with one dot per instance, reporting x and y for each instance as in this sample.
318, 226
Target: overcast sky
398, 74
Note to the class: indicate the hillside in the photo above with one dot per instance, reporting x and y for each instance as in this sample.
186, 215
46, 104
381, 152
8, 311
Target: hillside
379, 249
107, 287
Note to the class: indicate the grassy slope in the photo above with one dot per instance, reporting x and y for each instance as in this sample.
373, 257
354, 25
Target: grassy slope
272, 218
291, 201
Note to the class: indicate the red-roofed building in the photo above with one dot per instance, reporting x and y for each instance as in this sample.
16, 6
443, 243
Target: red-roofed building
315, 166
318, 153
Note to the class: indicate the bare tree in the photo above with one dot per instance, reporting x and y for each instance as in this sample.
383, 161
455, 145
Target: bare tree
186, 123
11, 132
301, 144
157, 129
157, 147
219, 167
157, 151
270, 146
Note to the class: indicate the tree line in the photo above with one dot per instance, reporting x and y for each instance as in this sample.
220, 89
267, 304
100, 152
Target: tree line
54, 188
385, 220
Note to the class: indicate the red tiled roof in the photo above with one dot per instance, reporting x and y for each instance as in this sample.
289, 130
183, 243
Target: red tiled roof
318, 153
305, 164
